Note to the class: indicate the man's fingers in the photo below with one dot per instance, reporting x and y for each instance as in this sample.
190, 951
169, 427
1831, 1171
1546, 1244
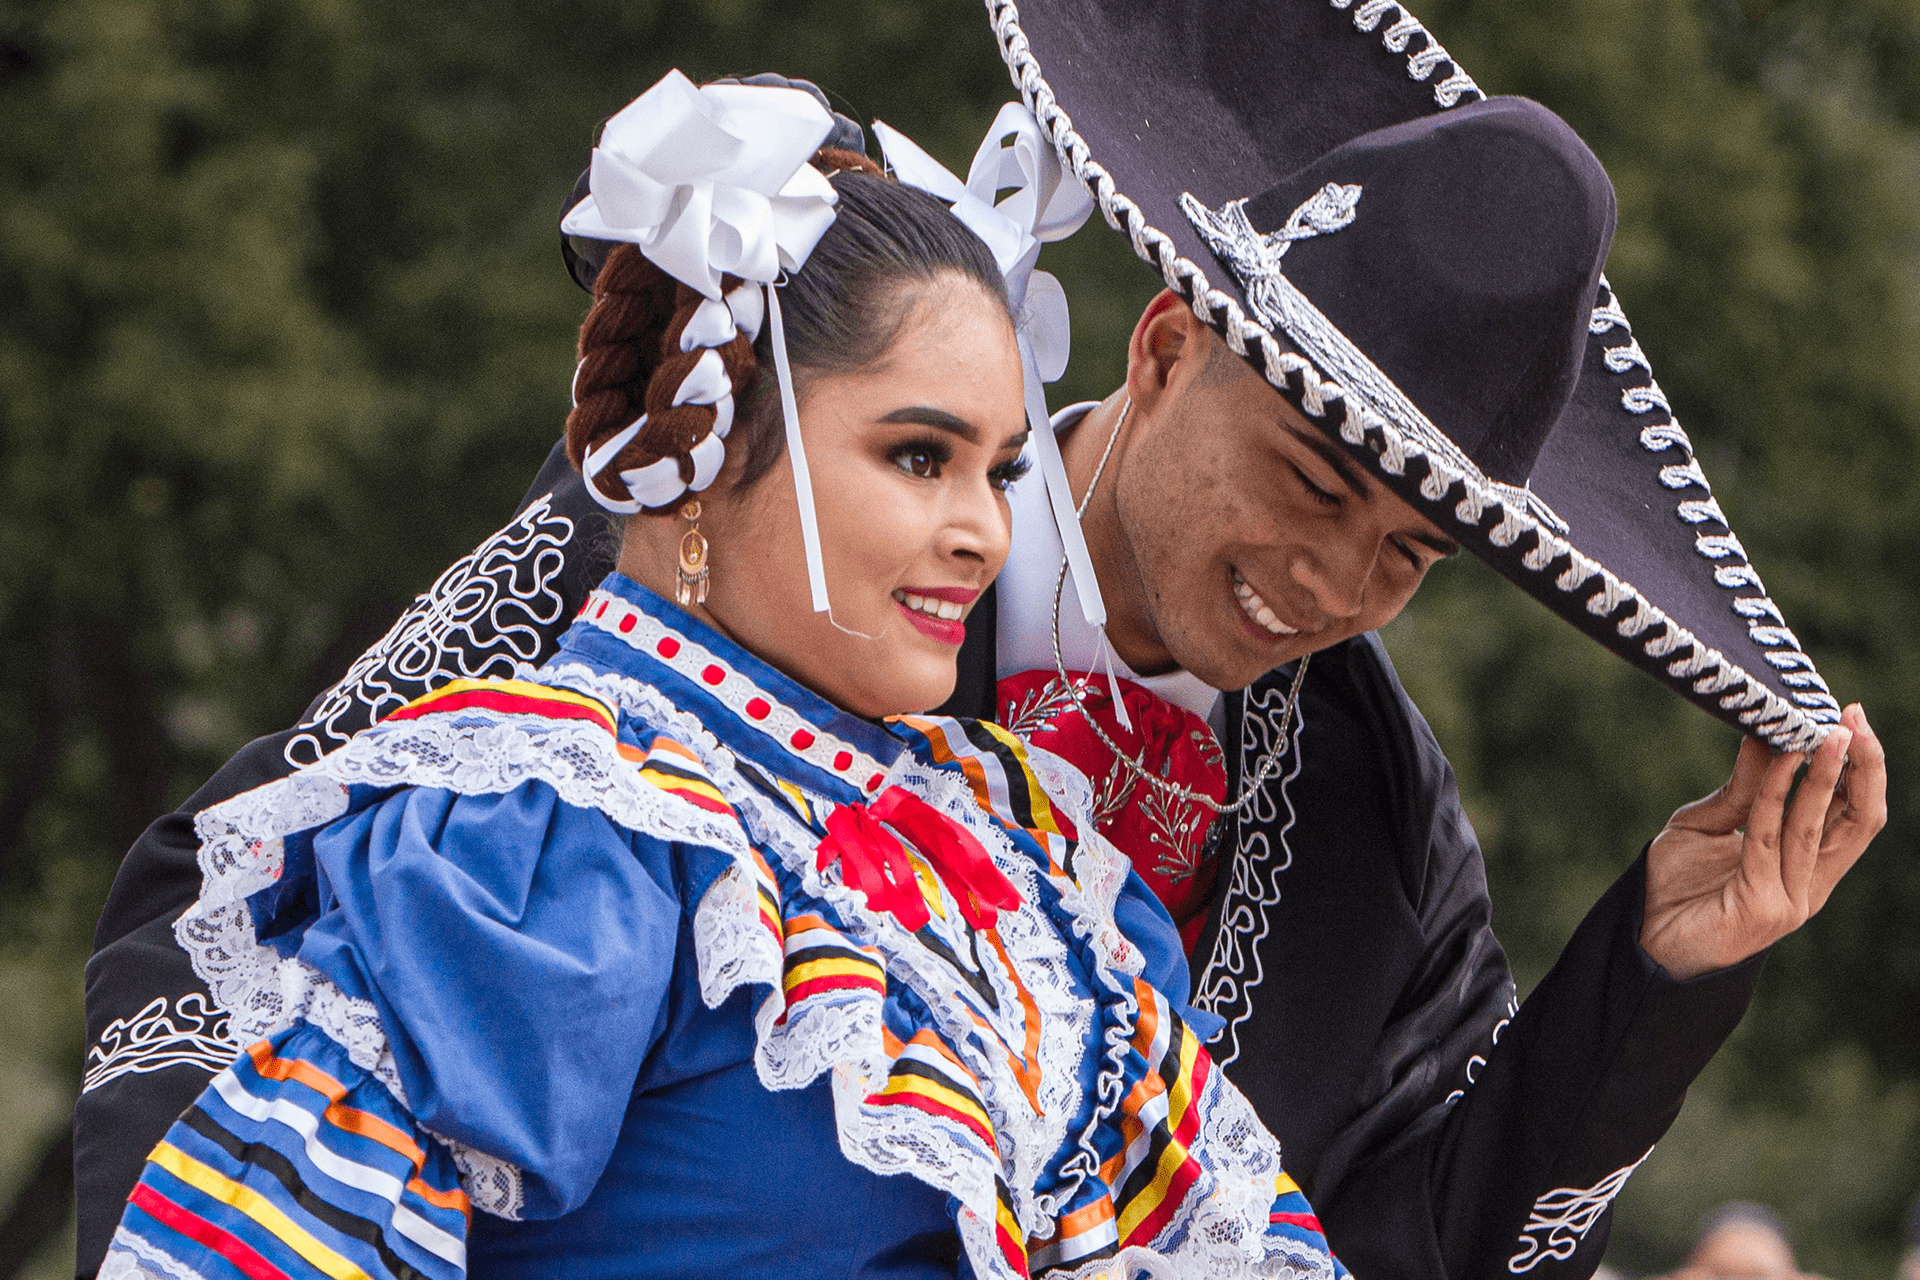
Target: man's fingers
1858, 810
1760, 851
1801, 836
1725, 811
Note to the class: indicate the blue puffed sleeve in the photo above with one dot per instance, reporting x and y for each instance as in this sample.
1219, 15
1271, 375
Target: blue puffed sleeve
1144, 919
519, 951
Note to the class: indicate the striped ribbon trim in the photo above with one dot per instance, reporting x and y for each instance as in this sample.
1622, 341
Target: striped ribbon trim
513, 697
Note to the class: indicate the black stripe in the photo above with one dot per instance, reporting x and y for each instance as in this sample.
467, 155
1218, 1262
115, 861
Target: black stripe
1016, 774
665, 764
262, 1156
909, 1067
808, 954
1144, 1172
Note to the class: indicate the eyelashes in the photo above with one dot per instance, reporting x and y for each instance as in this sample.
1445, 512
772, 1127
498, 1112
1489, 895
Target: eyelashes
925, 456
1008, 472
1318, 494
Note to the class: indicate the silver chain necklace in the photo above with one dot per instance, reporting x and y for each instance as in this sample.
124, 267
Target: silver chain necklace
1269, 766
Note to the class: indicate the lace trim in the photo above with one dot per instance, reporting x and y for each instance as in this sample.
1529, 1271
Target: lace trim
1698, 671
757, 710
133, 1257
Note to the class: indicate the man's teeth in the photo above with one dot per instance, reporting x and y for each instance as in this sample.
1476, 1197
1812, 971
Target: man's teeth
945, 609
1257, 609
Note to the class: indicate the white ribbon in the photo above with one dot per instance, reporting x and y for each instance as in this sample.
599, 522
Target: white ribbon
709, 181
1047, 203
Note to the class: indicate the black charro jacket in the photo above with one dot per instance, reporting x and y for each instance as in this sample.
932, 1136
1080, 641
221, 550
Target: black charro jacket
1440, 1129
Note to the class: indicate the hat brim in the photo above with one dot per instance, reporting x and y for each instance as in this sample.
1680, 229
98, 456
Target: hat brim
1223, 99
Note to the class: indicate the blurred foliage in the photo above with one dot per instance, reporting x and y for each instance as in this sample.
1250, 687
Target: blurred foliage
287, 331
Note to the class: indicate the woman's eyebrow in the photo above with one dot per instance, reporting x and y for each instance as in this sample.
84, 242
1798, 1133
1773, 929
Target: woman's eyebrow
938, 419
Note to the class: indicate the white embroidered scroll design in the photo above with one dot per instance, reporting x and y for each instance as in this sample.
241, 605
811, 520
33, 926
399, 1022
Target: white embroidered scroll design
1562, 1218
489, 611
188, 1032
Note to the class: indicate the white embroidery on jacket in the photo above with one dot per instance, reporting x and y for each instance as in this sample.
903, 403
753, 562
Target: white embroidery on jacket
1235, 968
190, 1033
1561, 1219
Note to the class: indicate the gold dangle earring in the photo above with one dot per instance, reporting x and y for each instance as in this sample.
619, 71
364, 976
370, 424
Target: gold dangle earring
692, 585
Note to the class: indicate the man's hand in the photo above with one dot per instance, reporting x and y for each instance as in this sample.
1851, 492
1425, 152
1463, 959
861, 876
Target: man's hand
1734, 873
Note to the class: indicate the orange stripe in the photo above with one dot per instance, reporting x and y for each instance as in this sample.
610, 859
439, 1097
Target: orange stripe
667, 746
1027, 1066
355, 1121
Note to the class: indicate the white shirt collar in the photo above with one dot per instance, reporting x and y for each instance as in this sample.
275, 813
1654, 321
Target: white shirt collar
1025, 632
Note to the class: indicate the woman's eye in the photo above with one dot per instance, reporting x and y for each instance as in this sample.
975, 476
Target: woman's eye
918, 460
1008, 473
1318, 494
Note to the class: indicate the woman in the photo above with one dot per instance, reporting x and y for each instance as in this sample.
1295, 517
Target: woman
664, 955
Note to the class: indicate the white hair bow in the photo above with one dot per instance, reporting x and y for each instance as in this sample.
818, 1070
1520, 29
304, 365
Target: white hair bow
711, 181
1047, 203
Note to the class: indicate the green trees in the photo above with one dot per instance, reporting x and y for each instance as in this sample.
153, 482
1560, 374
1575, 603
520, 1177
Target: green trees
285, 330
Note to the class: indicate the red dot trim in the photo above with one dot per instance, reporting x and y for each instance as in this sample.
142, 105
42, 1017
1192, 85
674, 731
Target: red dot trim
801, 740
713, 675
667, 647
873, 783
758, 708
627, 623
843, 761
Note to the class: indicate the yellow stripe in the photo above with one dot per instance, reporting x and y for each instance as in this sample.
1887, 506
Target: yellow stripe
929, 887
1038, 800
1284, 1185
797, 798
520, 688
255, 1206
1010, 1224
830, 969
1172, 1156
1180, 1097
939, 1093
674, 782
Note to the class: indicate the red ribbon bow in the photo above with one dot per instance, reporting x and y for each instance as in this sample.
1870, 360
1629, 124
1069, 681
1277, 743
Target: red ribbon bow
873, 861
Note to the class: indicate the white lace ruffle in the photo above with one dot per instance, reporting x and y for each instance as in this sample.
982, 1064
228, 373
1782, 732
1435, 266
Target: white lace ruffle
133, 1257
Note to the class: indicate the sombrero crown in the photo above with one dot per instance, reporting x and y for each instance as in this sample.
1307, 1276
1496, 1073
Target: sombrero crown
1417, 268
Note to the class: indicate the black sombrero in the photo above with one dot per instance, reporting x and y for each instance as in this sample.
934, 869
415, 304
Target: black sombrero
1417, 268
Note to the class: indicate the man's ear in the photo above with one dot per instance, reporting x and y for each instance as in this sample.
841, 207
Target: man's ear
1168, 348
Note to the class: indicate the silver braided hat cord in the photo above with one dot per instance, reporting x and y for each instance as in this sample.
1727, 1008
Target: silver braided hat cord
1269, 766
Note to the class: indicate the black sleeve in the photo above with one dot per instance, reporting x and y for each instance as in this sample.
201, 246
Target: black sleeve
1490, 1140
154, 1036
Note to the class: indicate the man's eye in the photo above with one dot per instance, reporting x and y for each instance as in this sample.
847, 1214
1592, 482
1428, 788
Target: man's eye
1318, 494
1413, 557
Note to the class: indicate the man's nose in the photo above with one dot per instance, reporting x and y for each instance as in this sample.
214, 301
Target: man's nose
1336, 575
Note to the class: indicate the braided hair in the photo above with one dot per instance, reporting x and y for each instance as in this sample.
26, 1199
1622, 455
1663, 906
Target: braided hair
842, 311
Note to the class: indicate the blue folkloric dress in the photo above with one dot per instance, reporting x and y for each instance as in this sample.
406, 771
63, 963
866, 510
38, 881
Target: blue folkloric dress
584, 951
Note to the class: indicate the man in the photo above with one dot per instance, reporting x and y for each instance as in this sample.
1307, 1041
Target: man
1343, 932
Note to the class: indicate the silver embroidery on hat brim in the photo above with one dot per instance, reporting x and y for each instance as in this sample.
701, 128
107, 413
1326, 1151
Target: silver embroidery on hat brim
1693, 668
1254, 258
